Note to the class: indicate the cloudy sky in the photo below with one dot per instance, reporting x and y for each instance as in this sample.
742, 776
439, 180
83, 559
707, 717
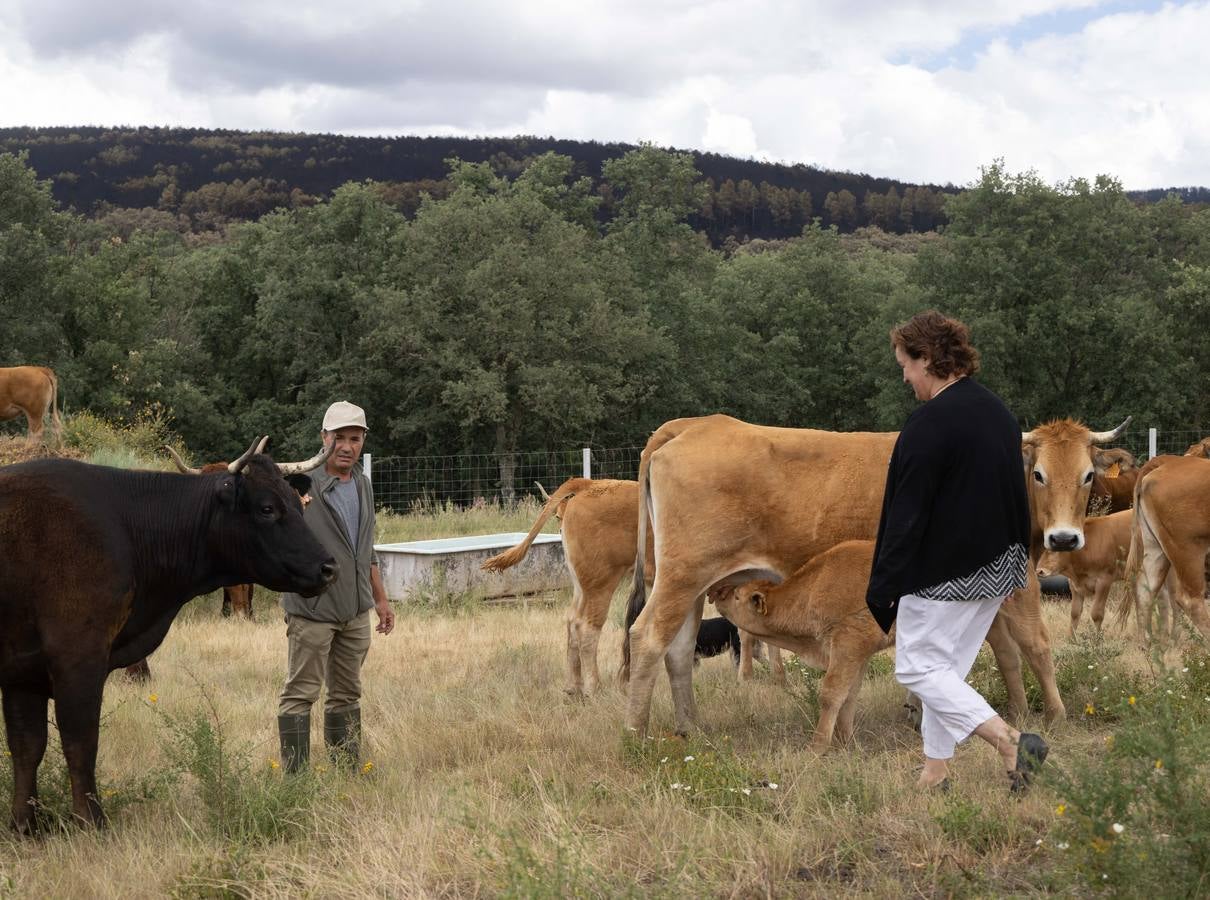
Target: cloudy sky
911, 89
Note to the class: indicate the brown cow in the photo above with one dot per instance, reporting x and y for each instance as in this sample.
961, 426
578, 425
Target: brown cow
730, 502
1113, 484
1170, 538
1199, 448
819, 613
1092, 570
598, 519
31, 390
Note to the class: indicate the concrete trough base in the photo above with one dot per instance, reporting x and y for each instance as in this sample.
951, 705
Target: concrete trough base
453, 565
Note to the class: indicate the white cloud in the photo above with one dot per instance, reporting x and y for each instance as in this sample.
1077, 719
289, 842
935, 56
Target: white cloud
849, 85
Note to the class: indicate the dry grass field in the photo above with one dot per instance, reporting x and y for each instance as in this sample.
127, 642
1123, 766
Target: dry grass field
483, 780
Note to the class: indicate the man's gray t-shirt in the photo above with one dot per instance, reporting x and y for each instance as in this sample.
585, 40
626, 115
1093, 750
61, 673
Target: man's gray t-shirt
347, 503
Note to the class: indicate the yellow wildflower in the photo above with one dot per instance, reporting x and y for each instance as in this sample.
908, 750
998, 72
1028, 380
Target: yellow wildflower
274, 764
1089, 710
366, 768
1131, 700
153, 697
1159, 764
1060, 809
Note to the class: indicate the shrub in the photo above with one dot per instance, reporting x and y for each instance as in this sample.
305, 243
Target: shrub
128, 444
701, 773
1135, 820
245, 802
968, 823
54, 786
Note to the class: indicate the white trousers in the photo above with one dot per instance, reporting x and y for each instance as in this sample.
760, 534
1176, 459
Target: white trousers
936, 642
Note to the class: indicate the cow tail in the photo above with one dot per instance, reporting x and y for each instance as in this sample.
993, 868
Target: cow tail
1134, 558
514, 555
638, 594
56, 422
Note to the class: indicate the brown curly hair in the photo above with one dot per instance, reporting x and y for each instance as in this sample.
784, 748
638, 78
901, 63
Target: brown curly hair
945, 341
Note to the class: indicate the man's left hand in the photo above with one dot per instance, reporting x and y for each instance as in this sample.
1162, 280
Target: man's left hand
386, 617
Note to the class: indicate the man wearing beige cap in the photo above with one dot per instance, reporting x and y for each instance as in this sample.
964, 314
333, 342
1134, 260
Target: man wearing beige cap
329, 635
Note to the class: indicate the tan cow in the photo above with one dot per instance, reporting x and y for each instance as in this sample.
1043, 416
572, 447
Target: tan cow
598, 519
819, 613
1199, 448
1113, 484
730, 502
30, 390
1094, 568
1170, 539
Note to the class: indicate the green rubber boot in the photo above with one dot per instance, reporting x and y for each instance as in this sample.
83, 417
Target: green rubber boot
342, 735
295, 733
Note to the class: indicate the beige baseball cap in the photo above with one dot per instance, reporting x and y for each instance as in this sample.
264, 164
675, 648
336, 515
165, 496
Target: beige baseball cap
343, 414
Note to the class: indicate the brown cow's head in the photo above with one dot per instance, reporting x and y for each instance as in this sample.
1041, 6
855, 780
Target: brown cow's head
746, 605
1061, 458
1200, 448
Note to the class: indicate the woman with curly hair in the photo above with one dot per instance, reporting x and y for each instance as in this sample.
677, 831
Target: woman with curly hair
953, 543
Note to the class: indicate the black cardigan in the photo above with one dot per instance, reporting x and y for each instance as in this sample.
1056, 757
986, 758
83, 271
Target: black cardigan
955, 496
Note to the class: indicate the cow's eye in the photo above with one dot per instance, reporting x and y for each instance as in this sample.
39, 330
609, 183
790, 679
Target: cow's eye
1088, 478
267, 510
1038, 477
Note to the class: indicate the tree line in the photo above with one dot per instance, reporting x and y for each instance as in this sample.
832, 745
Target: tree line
503, 315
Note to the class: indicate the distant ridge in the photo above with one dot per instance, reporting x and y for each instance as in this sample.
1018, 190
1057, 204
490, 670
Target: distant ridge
97, 168
207, 177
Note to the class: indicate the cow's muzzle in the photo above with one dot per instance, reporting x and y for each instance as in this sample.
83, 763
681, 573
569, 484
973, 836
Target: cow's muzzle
1064, 540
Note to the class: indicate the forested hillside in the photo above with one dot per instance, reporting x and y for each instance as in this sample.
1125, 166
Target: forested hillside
505, 315
209, 178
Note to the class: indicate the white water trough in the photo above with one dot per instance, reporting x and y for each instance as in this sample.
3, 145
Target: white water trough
453, 564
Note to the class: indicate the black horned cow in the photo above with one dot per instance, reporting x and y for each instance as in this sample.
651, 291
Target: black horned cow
129, 549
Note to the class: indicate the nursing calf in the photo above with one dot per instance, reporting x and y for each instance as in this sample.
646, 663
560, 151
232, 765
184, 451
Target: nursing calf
820, 614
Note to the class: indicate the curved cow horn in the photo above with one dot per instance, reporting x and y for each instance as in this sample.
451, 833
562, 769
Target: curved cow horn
235, 467
1104, 437
180, 463
545, 496
260, 448
297, 468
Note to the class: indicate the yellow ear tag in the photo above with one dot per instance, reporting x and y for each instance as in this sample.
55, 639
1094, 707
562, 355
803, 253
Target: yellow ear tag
1113, 471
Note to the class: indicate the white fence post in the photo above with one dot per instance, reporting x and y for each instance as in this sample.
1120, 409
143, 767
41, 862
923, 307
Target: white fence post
587, 462
367, 466
1151, 435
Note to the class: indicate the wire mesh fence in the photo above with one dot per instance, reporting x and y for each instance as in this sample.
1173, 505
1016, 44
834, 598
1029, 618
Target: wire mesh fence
404, 483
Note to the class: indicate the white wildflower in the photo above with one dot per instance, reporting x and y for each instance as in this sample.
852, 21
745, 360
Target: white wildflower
688, 759
1118, 827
